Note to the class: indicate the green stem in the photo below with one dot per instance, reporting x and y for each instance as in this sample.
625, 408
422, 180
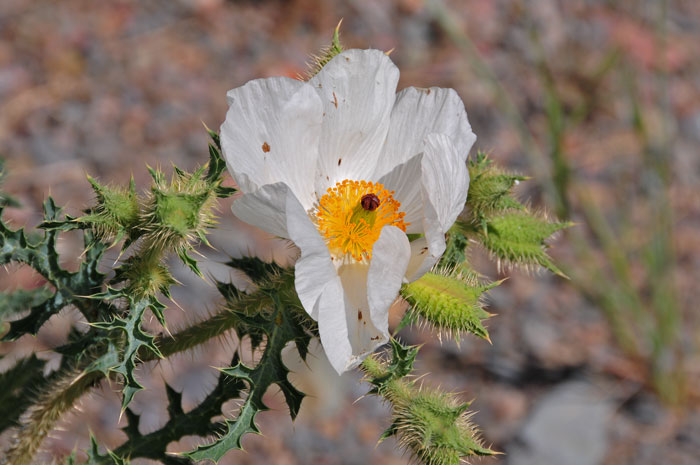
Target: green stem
58, 399
228, 319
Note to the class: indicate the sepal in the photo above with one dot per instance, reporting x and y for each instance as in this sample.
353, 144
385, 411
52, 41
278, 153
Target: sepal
326, 54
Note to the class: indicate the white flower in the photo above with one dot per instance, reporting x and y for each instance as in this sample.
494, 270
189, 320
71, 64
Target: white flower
345, 167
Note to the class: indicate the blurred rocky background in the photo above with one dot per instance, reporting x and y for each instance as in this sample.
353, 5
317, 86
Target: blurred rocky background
598, 101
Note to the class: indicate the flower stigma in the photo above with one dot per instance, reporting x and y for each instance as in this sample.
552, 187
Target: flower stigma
351, 215
370, 202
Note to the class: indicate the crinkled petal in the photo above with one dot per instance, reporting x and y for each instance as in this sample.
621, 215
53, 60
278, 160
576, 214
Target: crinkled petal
274, 208
425, 252
422, 258
265, 208
332, 325
347, 332
357, 90
419, 112
314, 268
271, 134
445, 179
390, 256
404, 180
444, 185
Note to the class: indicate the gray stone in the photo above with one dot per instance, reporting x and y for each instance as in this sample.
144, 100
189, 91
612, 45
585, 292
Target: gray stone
568, 426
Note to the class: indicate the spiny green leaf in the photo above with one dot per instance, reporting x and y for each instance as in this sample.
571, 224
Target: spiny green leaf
41, 254
20, 300
455, 250
223, 191
520, 238
217, 164
121, 358
188, 261
281, 328
228, 290
214, 137
380, 373
110, 458
256, 269
197, 421
407, 320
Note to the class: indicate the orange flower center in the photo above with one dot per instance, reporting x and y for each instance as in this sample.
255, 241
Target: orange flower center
351, 215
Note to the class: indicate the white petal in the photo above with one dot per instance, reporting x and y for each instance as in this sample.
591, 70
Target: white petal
347, 332
332, 325
387, 269
275, 209
444, 186
271, 134
445, 180
357, 89
404, 180
314, 268
419, 112
265, 208
423, 255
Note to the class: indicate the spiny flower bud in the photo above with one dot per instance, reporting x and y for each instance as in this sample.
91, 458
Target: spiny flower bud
180, 211
432, 425
116, 213
519, 238
490, 189
450, 302
145, 275
436, 427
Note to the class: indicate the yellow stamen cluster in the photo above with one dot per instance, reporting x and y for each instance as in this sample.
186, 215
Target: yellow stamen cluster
350, 228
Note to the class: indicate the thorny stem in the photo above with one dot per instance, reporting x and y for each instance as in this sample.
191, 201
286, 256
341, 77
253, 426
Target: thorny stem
58, 399
217, 325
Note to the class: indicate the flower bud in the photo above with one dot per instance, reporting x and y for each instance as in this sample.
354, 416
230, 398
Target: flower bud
450, 303
116, 213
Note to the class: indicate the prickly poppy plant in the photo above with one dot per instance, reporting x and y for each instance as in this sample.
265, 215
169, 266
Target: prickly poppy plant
348, 169
375, 192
